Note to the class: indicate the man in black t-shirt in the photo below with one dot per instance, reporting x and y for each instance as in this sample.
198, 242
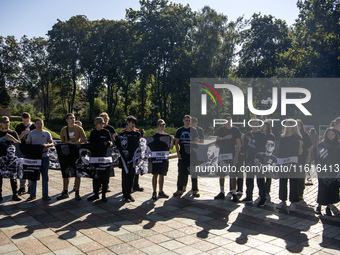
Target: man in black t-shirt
229, 140
23, 129
127, 143
254, 142
7, 135
184, 136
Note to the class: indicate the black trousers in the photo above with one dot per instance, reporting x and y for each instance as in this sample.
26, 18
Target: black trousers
127, 183
293, 189
260, 184
183, 173
14, 186
103, 181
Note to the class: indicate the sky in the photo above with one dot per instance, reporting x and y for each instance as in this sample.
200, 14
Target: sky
35, 18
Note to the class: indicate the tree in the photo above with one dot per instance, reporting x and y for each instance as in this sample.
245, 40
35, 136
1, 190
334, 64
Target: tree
38, 73
10, 57
263, 45
316, 48
66, 42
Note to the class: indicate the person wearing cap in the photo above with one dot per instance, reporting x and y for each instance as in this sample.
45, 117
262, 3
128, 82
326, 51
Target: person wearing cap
44, 138
71, 134
185, 135
229, 140
9, 135
160, 169
23, 129
100, 135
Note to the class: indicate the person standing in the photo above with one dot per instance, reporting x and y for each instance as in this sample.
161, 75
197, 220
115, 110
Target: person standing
128, 142
23, 129
44, 138
160, 169
254, 142
267, 130
328, 190
9, 135
71, 134
100, 135
290, 147
229, 140
194, 123
185, 135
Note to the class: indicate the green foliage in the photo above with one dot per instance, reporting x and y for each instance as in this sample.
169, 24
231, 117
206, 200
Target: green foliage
19, 109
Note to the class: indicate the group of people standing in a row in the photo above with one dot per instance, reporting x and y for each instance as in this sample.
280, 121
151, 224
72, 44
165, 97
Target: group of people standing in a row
295, 147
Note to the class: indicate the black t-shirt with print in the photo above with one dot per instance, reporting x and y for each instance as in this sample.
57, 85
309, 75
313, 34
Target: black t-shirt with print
185, 135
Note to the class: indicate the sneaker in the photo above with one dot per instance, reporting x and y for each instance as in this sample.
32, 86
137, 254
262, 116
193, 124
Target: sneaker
235, 198
292, 207
178, 193
318, 209
63, 195
261, 203
92, 198
16, 198
138, 189
161, 194
21, 191
220, 196
46, 198
247, 200
154, 196
281, 204
195, 194
30, 199
230, 193
328, 211
77, 196
239, 192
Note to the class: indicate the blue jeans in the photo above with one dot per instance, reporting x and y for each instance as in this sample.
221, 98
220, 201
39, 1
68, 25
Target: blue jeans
45, 162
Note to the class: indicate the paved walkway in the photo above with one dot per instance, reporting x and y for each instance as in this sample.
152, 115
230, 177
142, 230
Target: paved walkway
173, 226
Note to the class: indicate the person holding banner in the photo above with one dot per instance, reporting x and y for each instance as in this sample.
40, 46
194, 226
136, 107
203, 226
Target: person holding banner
23, 129
290, 147
229, 140
44, 138
100, 135
71, 134
128, 143
7, 135
160, 165
185, 135
254, 142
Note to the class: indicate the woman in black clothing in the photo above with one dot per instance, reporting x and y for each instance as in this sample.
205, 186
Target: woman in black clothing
290, 148
328, 192
100, 135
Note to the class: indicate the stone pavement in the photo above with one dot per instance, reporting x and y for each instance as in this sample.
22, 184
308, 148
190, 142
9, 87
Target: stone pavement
166, 226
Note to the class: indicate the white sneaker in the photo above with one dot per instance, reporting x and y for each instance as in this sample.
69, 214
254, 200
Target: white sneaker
281, 204
230, 194
292, 207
